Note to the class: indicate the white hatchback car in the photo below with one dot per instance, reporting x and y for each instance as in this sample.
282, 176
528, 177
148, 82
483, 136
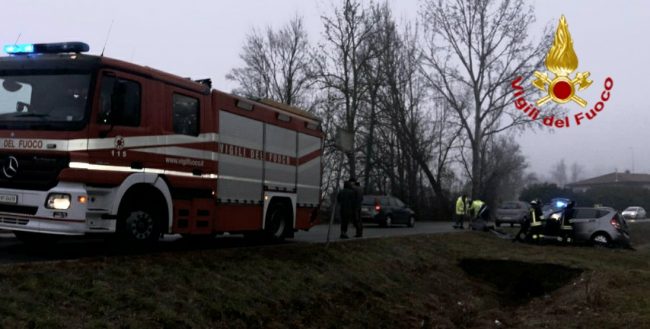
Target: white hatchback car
634, 213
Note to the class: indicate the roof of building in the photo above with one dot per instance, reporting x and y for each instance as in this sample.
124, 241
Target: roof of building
613, 178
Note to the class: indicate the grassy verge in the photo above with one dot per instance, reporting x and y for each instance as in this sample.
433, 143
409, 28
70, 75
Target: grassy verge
405, 282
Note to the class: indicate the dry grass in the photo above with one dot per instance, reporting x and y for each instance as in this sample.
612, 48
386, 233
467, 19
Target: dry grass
405, 282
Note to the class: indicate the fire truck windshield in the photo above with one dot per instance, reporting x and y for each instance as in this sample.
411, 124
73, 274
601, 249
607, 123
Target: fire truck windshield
43, 101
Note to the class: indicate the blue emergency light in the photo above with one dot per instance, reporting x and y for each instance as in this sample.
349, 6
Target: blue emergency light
46, 48
26, 48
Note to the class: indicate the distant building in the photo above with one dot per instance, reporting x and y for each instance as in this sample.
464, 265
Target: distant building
612, 179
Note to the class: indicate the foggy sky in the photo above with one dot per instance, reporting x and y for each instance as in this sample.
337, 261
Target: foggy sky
202, 39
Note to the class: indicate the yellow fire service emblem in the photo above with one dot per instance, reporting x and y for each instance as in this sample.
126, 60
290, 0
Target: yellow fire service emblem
562, 61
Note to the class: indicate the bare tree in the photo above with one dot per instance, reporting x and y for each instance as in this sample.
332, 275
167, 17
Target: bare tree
504, 170
559, 173
277, 64
374, 79
324, 109
530, 178
254, 78
474, 50
343, 60
577, 172
424, 134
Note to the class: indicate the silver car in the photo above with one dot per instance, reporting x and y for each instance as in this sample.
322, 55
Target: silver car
512, 212
600, 226
634, 213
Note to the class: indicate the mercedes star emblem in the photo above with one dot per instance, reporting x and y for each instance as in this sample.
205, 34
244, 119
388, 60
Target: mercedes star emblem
10, 168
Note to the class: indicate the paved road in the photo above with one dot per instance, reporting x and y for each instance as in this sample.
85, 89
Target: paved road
642, 220
14, 251
319, 233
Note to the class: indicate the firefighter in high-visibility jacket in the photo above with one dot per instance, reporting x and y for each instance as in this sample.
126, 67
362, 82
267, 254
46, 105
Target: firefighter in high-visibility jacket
461, 209
479, 214
531, 228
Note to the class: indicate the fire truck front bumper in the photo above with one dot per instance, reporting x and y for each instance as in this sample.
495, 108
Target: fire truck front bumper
62, 210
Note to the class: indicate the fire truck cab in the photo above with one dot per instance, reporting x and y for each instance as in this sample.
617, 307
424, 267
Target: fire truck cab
90, 144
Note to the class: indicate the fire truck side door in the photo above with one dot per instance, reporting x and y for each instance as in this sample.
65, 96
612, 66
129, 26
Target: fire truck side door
187, 124
120, 118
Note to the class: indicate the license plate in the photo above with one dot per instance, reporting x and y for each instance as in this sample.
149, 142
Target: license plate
8, 198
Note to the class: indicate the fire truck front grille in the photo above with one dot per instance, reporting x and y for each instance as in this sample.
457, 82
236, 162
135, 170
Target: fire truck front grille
30, 172
13, 221
27, 210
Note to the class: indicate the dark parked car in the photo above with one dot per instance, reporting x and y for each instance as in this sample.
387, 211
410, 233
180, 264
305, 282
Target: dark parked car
513, 212
386, 210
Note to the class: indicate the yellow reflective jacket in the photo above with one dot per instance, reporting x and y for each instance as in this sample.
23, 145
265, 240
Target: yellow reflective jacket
475, 207
535, 218
460, 206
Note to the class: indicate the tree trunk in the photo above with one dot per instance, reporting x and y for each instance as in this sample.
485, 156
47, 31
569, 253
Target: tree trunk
370, 143
351, 164
445, 210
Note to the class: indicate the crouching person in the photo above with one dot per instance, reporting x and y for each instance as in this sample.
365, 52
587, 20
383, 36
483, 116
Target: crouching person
480, 213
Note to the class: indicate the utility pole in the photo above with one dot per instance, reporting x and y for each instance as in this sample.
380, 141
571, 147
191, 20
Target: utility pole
344, 142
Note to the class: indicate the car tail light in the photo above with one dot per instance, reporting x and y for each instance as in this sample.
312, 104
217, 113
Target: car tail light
615, 223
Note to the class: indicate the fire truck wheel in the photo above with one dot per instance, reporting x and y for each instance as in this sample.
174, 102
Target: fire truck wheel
277, 223
139, 225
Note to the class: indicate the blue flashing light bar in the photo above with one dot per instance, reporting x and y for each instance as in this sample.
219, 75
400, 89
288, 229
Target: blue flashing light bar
47, 48
26, 48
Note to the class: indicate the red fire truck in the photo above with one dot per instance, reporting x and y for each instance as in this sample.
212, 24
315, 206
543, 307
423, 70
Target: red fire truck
91, 144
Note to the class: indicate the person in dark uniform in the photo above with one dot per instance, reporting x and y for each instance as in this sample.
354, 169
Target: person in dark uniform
347, 204
553, 224
566, 227
531, 223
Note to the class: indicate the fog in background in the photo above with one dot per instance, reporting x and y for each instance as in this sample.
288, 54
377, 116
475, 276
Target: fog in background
203, 39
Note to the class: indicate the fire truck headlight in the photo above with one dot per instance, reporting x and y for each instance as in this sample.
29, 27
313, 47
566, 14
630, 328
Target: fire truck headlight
58, 201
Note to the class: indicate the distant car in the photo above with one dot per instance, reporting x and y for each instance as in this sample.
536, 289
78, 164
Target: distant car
600, 226
634, 213
386, 210
512, 212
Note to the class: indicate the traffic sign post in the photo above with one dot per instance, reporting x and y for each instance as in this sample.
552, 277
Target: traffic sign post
344, 141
